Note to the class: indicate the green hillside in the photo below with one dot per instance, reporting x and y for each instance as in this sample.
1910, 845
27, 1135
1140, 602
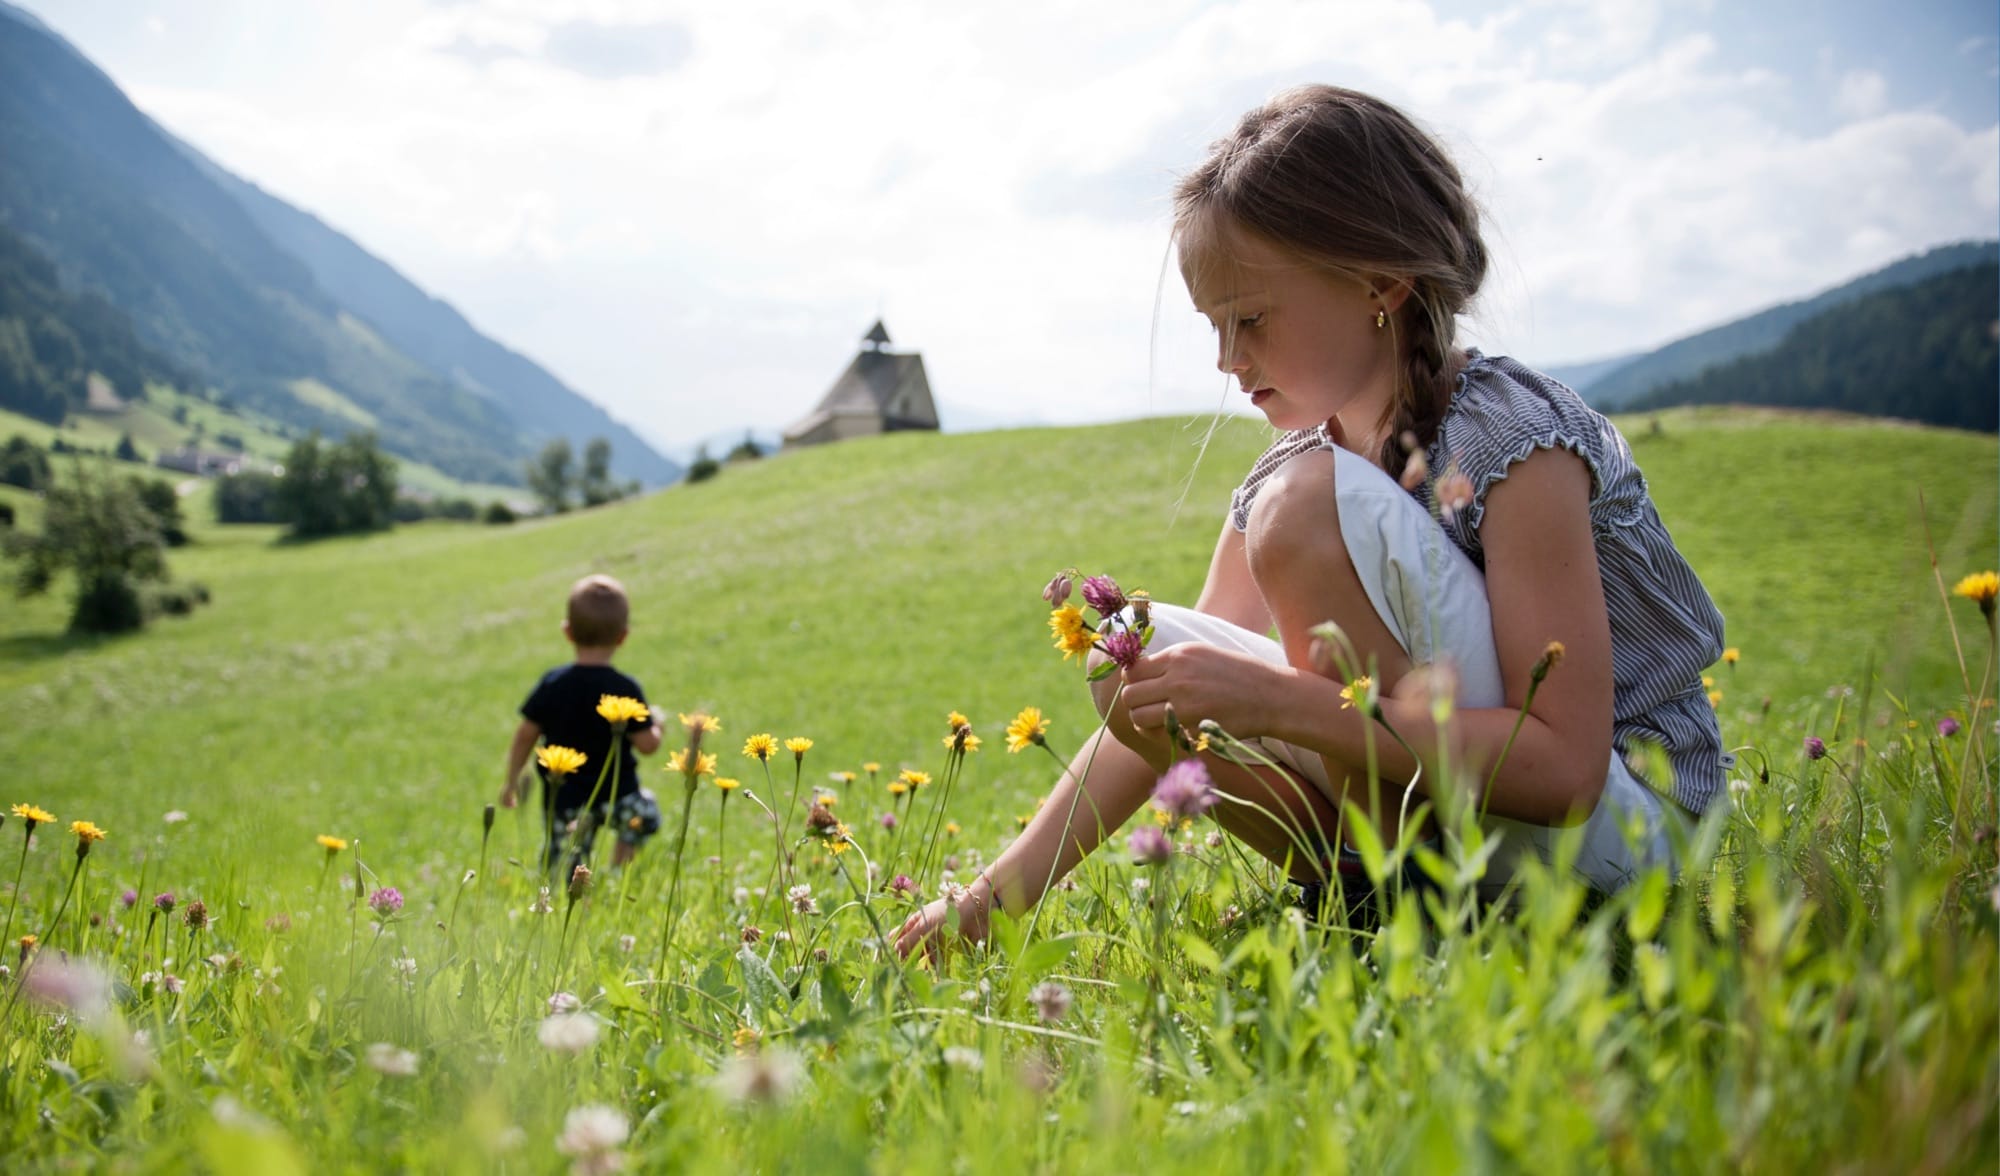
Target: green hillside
857, 592
1613, 385
1923, 352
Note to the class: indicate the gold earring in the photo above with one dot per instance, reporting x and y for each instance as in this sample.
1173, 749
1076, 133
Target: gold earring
1381, 318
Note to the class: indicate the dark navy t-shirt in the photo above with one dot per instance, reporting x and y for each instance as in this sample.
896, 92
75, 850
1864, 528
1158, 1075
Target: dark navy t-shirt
564, 705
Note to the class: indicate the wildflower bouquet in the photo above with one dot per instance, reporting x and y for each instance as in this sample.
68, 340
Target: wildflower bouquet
1124, 622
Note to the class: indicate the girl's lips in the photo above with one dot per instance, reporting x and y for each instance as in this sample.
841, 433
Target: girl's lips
1260, 395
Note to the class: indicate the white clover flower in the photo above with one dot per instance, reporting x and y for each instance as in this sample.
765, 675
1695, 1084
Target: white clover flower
543, 904
570, 1033
174, 817
391, 1060
741, 896
766, 1076
591, 1136
1051, 1001
564, 1002
965, 1058
801, 897
627, 942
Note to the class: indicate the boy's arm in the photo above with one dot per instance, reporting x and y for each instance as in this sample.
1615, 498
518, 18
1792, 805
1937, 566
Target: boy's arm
646, 740
517, 758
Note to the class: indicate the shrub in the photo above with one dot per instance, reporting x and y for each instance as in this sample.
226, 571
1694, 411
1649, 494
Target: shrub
498, 513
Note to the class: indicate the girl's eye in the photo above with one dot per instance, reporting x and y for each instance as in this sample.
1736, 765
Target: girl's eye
1255, 320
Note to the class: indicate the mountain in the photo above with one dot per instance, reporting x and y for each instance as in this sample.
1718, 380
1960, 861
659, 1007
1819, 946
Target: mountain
1927, 351
51, 341
1632, 377
254, 298
435, 334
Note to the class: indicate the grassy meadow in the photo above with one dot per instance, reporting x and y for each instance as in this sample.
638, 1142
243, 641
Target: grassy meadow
1816, 991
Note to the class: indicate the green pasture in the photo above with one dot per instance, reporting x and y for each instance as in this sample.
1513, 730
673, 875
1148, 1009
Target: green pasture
366, 687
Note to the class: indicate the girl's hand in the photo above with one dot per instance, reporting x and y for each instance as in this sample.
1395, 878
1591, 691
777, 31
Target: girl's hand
929, 926
1202, 682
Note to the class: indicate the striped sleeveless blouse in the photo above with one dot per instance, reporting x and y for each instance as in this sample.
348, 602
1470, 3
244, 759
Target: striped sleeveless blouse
1664, 628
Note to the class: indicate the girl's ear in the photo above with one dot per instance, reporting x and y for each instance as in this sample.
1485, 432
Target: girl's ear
565, 629
1392, 292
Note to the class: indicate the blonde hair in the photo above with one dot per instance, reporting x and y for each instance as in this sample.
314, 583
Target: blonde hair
598, 611
1348, 183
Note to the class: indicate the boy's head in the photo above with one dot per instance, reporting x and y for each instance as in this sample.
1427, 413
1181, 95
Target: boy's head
598, 613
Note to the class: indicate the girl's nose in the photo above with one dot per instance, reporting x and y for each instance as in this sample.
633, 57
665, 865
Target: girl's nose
1229, 357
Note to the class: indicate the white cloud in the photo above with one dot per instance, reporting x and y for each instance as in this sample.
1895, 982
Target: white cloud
696, 228
1862, 93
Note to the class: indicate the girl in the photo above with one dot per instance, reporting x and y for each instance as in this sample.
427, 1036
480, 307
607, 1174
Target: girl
1332, 245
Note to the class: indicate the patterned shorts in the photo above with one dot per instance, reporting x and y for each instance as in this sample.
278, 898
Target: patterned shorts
635, 817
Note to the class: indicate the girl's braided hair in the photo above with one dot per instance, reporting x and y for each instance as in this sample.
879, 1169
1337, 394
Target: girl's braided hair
1347, 182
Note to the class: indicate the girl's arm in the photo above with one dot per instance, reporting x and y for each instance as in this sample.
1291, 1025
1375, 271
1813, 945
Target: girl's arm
1542, 581
1116, 781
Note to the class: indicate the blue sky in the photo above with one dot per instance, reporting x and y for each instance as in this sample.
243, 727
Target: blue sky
692, 212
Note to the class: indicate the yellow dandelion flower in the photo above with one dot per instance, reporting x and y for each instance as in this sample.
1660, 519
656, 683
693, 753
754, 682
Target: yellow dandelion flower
86, 832
1731, 656
962, 742
727, 784
971, 742
704, 763
1023, 820
871, 767
28, 941
1026, 730
1708, 681
827, 799
1715, 698
798, 745
616, 708
560, 761
840, 840
1979, 587
954, 721
34, 815
951, 828
331, 845
745, 1039
897, 787
1072, 635
760, 747
844, 777
1355, 692
701, 722
914, 778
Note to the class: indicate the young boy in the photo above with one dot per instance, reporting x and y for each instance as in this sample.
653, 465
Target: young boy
563, 708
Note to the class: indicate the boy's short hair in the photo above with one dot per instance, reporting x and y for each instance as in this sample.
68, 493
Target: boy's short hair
598, 611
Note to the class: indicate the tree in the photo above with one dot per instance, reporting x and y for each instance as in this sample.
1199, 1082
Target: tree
597, 486
745, 450
126, 451
703, 467
550, 476
335, 489
248, 497
97, 527
23, 463
164, 503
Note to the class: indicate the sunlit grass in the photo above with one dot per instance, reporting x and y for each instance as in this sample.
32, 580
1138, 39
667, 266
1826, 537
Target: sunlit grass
1829, 1002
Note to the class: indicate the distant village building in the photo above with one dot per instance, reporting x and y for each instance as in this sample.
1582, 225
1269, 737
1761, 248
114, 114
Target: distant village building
880, 392
194, 461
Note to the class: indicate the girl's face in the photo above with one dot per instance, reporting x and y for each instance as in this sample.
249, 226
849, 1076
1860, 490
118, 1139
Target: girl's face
1301, 342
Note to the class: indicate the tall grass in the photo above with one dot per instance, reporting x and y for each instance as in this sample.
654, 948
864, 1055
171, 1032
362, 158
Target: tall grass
1816, 991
